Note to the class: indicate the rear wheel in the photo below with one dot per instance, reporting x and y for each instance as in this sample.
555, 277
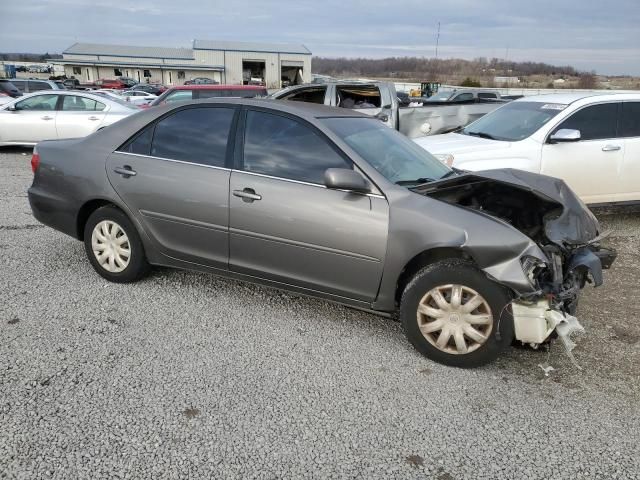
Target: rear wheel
114, 247
453, 314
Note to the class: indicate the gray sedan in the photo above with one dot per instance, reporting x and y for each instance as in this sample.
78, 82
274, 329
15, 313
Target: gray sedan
330, 203
54, 114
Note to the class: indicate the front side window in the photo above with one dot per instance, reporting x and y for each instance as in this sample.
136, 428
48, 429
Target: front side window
630, 120
397, 158
514, 121
463, 97
309, 95
73, 103
596, 122
38, 103
37, 86
285, 148
179, 96
196, 135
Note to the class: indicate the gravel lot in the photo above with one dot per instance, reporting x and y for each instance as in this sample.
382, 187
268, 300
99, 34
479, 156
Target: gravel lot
185, 375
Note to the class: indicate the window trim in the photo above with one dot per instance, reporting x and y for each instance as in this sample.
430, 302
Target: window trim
241, 134
229, 151
556, 127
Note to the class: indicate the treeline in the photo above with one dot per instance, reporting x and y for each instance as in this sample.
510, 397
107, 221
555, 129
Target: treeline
431, 68
28, 57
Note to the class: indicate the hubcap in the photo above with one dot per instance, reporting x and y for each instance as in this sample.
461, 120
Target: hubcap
455, 319
111, 246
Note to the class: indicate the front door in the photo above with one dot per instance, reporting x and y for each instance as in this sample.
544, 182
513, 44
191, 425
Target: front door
173, 177
33, 120
79, 116
287, 227
592, 166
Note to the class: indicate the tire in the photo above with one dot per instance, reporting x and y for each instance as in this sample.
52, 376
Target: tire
109, 233
445, 320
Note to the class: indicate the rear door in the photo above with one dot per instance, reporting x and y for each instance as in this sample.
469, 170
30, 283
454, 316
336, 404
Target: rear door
173, 176
79, 116
287, 227
629, 129
592, 166
33, 120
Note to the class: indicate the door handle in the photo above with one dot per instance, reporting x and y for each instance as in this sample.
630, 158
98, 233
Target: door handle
611, 148
125, 171
93, 119
247, 195
47, 117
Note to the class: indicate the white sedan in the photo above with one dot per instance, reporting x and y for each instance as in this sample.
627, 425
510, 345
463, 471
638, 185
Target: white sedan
64, 114
138, 97
590, 140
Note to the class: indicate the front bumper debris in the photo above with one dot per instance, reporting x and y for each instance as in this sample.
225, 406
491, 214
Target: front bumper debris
534, 322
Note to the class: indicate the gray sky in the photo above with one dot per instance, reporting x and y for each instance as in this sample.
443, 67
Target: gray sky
587, 34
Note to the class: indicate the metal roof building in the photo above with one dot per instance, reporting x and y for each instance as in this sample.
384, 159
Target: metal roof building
273, 64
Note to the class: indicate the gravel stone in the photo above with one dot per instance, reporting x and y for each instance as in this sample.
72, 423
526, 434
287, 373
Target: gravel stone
185, 375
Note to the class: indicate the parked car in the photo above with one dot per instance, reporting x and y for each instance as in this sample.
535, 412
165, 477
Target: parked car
590, 140
331, 203
138, 97
201, 81
111, 83
465, 95
60, 114
129, 82
198, 92
30, 85
151, 88
380, 100
8, 91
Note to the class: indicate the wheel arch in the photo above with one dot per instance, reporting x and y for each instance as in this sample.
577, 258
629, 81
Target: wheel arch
87, 209
424, 258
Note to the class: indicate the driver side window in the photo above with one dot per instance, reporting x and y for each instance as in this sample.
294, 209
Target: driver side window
596, 122
38, 103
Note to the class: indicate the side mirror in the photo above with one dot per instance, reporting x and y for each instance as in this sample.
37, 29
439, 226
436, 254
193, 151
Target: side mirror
345, 179
386, 107
565, 135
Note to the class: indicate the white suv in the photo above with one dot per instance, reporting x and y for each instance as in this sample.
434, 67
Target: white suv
592, 141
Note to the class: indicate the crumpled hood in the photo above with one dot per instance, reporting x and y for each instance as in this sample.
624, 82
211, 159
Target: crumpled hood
574, 225
457, 144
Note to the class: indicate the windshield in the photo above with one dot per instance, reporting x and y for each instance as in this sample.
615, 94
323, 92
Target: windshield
392, 154
515, 121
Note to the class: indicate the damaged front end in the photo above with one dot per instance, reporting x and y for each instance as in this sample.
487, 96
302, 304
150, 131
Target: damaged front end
569, 253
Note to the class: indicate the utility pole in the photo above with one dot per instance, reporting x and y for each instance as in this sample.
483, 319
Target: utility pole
437, 40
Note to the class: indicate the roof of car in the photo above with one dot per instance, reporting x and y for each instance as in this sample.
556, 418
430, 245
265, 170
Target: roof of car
218, 87
568, 98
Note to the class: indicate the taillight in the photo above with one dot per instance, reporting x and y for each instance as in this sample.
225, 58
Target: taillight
35, 160
3, 94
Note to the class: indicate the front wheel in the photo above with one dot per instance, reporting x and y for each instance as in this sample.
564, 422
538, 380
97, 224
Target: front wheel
453, 314
114, 247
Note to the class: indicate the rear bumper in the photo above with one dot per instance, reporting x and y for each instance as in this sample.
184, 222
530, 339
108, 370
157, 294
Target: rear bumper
53, 212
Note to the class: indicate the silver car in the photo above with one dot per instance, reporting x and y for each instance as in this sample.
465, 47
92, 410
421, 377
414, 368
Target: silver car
58, 114
330, 203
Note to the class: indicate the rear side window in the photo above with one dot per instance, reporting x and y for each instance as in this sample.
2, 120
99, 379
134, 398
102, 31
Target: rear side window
630, 120
463, 97
358, 97
487, 95
195, 135
595, 122
285, 148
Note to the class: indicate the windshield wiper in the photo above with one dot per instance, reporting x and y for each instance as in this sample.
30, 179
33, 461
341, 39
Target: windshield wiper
481, 135
453, 171
416, 182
